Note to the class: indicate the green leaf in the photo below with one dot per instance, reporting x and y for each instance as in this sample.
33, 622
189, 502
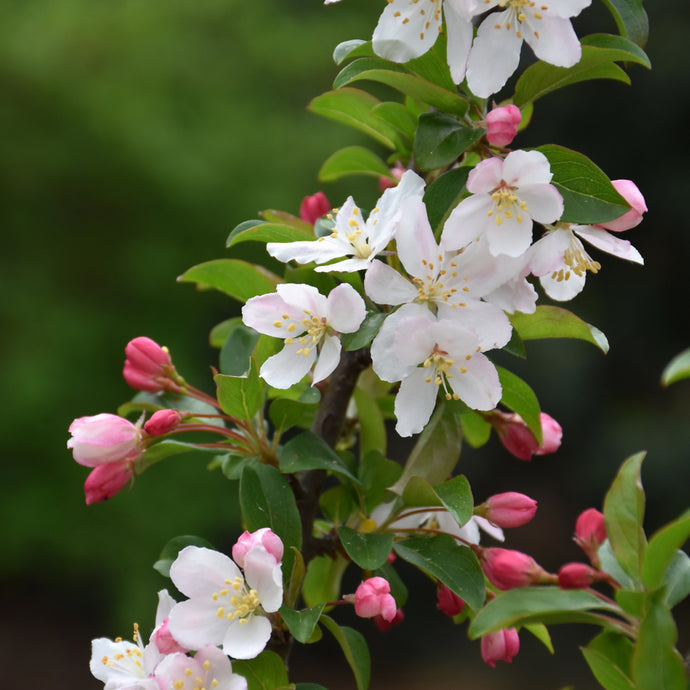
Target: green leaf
588, 195
239, 279
618, 48
677, 579
437, 450
265, 672
266, 500
376, 474
519, 397
301, 624
556, 322
172, 548
240, 396
656, 663
441, 139
354, 648
285, 413
275, 217
372, 430
235, 355
456, 496
541, 632
167, 447
475, 429
418, 493
399, 116
443, 194
322, 581
365, 333
354, 107
623, 515
677, 369
338, 503
609, 657
232, 466
355, 47
537, 605
268, 232
368, 551
443, 558
631, 19
221, 331
310, 452
400, 78
662, 549
353, 160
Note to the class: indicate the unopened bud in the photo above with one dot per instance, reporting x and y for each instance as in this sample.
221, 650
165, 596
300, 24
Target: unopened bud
164, 640
313, 207
502, 124
105, 481
580, 576
630, 192
383, 625
510, 509
503, 645
373, 598
397, 172
590, 533
520, 441
104, 438
162, 422
263, 537
448, 601
508, 569
148, 367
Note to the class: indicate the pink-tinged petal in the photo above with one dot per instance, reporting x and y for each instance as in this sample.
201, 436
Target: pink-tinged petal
301, 296
515, 295
401, 32
555, 41
414, 402
460, 32
289, 366
486, 176
544, 202
486, 321
608, 243
263, 311
165, 605
384, 285
220, 669
468, 221
198, 571
565, 289
305, 251
414, 239
194, 623
478, 386
512, 238
329, 356
265, 576
546, 254
415, 339
522, 168
345, 309
248, 639
494, 56
630, 219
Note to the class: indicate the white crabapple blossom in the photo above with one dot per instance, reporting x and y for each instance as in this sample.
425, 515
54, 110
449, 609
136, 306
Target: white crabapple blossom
225, 607
352, 236
209, 669
124, 665
506, 196
308, 323
543, 24
426, 353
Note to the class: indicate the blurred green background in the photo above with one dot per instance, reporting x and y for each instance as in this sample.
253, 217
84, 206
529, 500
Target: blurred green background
135, 136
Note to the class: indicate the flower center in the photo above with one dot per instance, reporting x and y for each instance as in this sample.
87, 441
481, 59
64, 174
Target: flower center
238, 602
438, 285
520, 11
439, 365
195, 682
507, 204
129, 659
576, 260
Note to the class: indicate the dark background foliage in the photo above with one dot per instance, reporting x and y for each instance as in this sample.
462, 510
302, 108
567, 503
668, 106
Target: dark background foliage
135, 136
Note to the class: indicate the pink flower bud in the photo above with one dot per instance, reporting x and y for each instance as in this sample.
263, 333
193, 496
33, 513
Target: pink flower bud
448, 601
313, 207
383, 625
164, 640
520, 441
510, 509
507, 569
162, 422
104, 438
579, 576
502, 124
373, 598
263, 537
503, 645
148, 367
590, 533
105, 481
629, 191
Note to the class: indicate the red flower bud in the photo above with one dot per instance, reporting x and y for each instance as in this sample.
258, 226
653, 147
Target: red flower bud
502, 124
590, 533
520, 441
383, 625
105, 481
162, 422
508, 569
148, 367
373, 598
629, 191
503, 645
313, 207
510, 509
579, 576
448, 601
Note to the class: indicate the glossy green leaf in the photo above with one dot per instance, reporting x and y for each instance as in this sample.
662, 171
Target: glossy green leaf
265, 672
310, 452
556, 322
266, 346
353, 160
537, 605
168, 447
475, 429
322, 581
240, 396
588, 195
221, 331
301, 624
443, 194
419, 493
354, 107
456, 496
268, 232
365, 333
376, 473
609, 657
541, 632
355, 47
338, 503
623, 514
520, 398
662, 549
241, 227
399, 116
173, 547
355, 650
442, 557
610, 565
277, 217
433, 65
372, 430
677, 369
617, 48
239, 279
441, 139
285, 413
400, 78
368, 551
631, 19
235, 355
437, 450
266, 500
655, 662
677, 579
232, 465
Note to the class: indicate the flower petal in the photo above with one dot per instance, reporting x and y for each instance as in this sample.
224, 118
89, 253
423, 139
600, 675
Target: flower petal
478, 387
384, 285
289, 366
414, 402
193, 623
555, 42
608, 243
345, 309
401, 32
198, 571
247, 639
329, 356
